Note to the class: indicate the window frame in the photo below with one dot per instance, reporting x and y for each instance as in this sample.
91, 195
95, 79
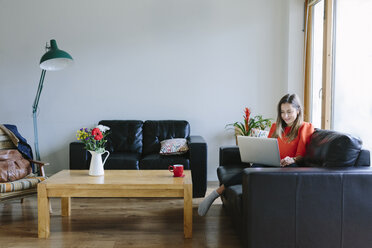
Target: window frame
327, 65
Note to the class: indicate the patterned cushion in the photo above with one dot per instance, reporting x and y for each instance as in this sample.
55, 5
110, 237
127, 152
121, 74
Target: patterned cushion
173, 146
6, 141
156, 131
25, 183
259, 133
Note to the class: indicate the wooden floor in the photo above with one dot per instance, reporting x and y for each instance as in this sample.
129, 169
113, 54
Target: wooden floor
116, 222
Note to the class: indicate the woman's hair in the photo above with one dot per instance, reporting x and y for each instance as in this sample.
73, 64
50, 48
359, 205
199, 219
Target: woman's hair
280, 123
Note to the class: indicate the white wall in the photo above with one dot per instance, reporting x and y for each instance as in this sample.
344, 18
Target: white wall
202, 61
296, 47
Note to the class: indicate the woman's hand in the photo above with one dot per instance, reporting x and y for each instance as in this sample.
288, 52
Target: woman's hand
287, 161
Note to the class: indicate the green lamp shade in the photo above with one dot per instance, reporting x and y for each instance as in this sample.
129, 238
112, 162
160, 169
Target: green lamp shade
55, 59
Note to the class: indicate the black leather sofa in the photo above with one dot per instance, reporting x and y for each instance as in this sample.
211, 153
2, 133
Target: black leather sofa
327, 202
134, 144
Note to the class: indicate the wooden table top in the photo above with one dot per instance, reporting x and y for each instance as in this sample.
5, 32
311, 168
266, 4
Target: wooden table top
115, 178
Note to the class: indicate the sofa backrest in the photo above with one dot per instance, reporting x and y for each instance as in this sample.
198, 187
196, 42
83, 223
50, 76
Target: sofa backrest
332, 149
156, 131
125, 135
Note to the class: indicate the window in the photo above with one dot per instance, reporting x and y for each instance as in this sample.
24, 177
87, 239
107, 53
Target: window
316, 64
352, 108
318, 61
338, 66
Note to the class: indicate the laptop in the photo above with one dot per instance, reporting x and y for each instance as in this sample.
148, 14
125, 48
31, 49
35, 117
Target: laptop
264, 151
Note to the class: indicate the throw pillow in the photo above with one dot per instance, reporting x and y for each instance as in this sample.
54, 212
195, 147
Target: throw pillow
255, 132
13, 166
332, 149
7, 139
173, 146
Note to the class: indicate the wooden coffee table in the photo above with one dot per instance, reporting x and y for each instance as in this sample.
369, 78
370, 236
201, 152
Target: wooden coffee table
115, 183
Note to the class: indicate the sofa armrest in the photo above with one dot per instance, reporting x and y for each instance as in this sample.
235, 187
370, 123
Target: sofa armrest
78, 156
41, 165
198, 165
230, 155
363, 158
306, 203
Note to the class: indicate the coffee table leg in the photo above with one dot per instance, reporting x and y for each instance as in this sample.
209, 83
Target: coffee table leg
43, 211
66, 206
187, 211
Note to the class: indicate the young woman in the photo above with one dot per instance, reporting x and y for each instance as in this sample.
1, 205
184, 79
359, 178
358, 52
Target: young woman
293, 135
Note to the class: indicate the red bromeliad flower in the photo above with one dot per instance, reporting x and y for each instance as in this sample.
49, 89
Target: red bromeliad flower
247, 113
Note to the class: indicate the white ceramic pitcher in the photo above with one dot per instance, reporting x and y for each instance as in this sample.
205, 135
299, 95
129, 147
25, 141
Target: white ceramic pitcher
96, 165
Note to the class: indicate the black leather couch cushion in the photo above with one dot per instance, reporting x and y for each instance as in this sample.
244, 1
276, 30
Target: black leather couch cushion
227, 174
332, 149
232, 200
307, 207
122, 161
357, 207
229, 155
364, 158
156, 131
125, 136
156, 161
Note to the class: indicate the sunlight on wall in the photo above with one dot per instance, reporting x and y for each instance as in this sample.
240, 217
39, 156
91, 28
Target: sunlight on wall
317, 73
353, 69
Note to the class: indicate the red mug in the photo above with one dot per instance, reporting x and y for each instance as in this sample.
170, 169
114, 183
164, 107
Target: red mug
177, 170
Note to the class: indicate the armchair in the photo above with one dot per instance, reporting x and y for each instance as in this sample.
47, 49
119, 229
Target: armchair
11, 142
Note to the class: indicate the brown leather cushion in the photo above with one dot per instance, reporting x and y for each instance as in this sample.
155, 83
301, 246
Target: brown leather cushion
13, 166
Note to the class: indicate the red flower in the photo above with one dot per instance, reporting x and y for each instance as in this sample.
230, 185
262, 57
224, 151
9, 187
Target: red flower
247, 113
97, 134
96, 131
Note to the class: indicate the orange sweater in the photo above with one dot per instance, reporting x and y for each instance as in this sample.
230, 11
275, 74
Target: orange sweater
296, 147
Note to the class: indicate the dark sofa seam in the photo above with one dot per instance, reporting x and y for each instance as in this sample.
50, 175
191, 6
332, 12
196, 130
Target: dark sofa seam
342, 211
296, 217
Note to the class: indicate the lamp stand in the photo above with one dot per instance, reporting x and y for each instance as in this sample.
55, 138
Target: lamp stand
34, 112
53, 60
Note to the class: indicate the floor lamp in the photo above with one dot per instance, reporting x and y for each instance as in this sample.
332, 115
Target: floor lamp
53, 60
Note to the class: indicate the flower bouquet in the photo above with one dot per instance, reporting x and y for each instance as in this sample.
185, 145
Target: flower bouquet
94, 139
250, 126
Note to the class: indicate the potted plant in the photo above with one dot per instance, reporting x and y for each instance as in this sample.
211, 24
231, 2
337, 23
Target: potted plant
251, 126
